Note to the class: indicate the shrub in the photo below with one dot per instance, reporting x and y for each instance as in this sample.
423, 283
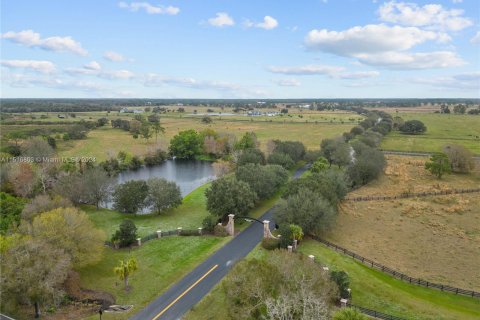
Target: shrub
220, 231
270, 244
342, 280
126, 235
209, 223
154, 158
263, 180
254, 156
349, 314
189, 233
460, 158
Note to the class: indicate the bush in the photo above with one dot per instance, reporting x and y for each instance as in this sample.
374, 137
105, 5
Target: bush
368, 164
270, 244
189, 233
126, 235
263, 180
281, 159
312, 155
413, 127
186, 144
209, 223
342, 280
349, 314
295, 149
460, 158
220, 231
157, 157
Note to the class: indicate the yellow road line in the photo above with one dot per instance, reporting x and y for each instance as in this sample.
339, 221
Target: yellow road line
185, 292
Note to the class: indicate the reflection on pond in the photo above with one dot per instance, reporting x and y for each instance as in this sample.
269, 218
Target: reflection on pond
187, 174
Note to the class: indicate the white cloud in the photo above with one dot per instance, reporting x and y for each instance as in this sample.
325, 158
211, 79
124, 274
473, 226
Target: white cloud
268, 23
476, 38
457, 1
359, 75
287, 82
463, 81
432, 16
370, 39
117, 74
149, 8
404, 60
33, 65
306, 70
221, 19
113, 56
33, 39
94, 65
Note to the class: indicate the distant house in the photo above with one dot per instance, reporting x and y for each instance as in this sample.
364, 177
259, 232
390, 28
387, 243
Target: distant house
126, 110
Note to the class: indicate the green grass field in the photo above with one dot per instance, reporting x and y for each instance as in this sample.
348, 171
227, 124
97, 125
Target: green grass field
160, 264
370, 288
188, 215
376, 290
441, 129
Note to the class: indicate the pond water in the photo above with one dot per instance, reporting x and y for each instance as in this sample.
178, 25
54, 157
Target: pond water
187, 174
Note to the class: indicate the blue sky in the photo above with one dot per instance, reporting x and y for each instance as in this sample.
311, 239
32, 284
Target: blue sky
240, 49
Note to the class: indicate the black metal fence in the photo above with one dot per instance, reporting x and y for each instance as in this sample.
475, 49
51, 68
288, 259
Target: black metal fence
374, 313
397, 274
413, 195
154, 235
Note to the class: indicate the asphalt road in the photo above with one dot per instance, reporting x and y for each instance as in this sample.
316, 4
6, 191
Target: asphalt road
184, 294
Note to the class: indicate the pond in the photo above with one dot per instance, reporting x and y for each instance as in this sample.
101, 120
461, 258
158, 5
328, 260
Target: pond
187, 174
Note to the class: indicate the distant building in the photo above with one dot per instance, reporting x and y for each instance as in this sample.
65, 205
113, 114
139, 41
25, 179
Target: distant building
61, 116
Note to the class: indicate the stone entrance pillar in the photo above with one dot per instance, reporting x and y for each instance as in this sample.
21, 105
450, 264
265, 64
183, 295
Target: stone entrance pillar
231, 225
266, 230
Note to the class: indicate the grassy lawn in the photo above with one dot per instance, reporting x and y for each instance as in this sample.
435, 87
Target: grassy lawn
441, 129
376, 290
188, 215
161, 263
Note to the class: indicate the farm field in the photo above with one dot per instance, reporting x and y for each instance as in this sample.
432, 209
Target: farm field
435, 238
106, 141
441, 129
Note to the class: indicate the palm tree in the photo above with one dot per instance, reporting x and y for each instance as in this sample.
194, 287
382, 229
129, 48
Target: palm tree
125, 269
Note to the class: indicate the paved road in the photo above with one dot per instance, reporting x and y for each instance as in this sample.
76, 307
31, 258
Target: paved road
183, 295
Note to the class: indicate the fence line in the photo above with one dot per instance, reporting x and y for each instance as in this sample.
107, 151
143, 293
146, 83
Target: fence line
154, 235
374, 313
416, 154
413, 195
398, 274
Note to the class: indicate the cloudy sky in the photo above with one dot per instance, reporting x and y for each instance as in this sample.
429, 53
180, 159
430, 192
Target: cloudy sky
240, 49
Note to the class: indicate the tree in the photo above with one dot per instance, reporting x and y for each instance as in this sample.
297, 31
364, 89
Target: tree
33, 272
38, 148
459, 109
357, 130
125, 269
221, 168
319, 165
281, 159
163, 194
263, 180
368, 164
130, 196
254, 156
230, 196
145, 131
413, 127
102, 121
10, 211
97, 184
157, 128
248, 141
460, 158
126, 235
72, 231
186, 144
349, 314
22, 178
438, 165
207, 120
295, 149
52, 142
312, 212
44, 203
155, 157
279, 286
